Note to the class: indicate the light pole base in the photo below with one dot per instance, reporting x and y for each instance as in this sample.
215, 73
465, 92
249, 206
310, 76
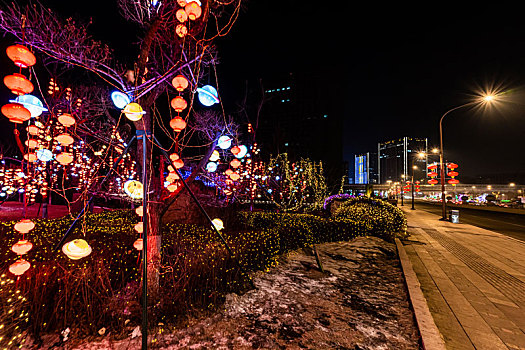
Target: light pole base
443, 219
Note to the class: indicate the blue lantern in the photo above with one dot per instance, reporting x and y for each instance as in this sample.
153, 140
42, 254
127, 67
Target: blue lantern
211, 167
208, 95
120, 99
32, 103
224, 142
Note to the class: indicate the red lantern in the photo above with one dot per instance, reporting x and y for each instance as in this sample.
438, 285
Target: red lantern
452, 173
181, 15
235, 176
16, 112
452, 165
180, 83
236, 150
139, 244
65, 139
432, 182
21, 56
18, 84
21, 247
453, 182
179, 163
181, 30
179, 104
19, 267
193, 10
66, 119
235, 163
177, 124
64, 158
432, 166
432, 174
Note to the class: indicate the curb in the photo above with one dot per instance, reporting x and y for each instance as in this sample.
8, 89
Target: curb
431, 339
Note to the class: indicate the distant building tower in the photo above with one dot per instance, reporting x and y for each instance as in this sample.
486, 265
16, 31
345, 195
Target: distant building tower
365, 168
396, 158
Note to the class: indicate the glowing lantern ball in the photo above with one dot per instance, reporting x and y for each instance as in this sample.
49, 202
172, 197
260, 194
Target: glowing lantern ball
21, 56
181, 30
242, 153
193, 10
211, 167
133, 111
22, 247
18, 84
235, 163
208, 95
180, 83
76, 249
174, 157
16, 112
218, 224
65, 139
179, 104
32, 103
120, 99
65, 158
139, 227
224, 142
66, 119
44, 155
177, 124
134, 189
235, 176
24, 226
235, 150
172, 176
139, 244
140, 211
19, 267
31, 143
30, 157
181, 15
179, 163
215, 156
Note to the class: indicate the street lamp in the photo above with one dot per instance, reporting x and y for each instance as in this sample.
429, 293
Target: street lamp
485, 99
414, 167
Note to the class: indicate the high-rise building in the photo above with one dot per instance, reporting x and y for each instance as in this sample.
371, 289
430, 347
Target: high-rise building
365, 168
396, 159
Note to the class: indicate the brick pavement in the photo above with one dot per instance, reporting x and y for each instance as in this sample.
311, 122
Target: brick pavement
472, 279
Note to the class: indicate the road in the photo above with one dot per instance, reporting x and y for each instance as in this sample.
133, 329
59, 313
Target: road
512, 225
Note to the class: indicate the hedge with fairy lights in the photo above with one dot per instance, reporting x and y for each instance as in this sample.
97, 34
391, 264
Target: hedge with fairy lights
102, 290
383, 219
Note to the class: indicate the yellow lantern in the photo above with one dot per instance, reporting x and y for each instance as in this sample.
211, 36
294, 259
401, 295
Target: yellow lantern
215, 156
65, 139
76, 249
181, 15
64, 158
218, 224
134, 189
193, 10
66, 119
181, 30
133, 111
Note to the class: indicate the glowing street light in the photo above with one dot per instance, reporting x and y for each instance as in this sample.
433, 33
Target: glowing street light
483, 99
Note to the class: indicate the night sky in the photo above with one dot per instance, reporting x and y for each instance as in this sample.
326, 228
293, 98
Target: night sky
403, 67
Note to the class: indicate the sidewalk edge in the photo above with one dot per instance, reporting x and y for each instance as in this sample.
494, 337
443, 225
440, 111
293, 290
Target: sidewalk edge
431, 338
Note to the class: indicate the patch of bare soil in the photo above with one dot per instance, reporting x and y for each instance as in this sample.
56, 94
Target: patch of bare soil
360, 302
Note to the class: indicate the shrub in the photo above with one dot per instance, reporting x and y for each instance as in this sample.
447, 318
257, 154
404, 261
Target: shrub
384, 219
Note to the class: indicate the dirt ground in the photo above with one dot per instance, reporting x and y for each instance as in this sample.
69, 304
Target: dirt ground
360, 302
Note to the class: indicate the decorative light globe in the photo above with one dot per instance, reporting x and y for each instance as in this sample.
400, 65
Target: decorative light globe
208, 95
218, 224
32, 103
44, 155
133, 111
120, 99
224, 142
211, 167
215, 156
66, 119
242, 153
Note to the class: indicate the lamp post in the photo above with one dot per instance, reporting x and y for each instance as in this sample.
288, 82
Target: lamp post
488, 98
402, 191
414, 167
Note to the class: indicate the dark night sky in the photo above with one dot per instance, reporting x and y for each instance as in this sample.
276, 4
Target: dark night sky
403, 67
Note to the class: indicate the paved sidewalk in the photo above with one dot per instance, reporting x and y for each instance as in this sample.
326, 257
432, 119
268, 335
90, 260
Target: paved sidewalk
473, 280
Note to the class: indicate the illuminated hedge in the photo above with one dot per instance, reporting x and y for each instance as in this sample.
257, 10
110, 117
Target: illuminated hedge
384, 219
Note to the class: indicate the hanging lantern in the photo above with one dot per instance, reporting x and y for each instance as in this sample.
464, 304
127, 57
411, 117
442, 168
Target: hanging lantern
453, 182
21, 56
21, 247
30, 157
140, 211
66, 119
139, 244
181, 15
235, 163
16, 112
432, 174
452, 165
76, 249
215, 156
228, 172
133, 111
139, 227
211, 167
452, 173
33, 129
179, 163
181, 30
242, 153
64, 158
31, 143
235, 176
177, 124
18, 84
218, 224
32, 103
432, 166
65, 139
179, 104
432, 182
24, 226
180, 83
172, 187
174, 157
19, 267
134, 189
224, 142
172, 176
193, 10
